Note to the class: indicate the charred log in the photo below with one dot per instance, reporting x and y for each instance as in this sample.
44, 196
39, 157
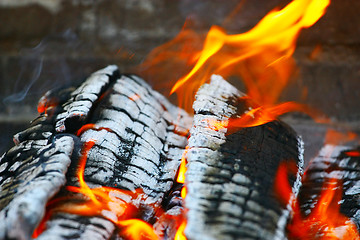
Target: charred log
230, 177
33, 171
137, 141
81, 101
336, 168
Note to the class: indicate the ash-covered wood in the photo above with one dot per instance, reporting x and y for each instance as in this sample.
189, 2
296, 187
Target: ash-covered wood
337, 164
170, 220
81, 101
139, 140
139, 135
28, 182
32, 172
230, 177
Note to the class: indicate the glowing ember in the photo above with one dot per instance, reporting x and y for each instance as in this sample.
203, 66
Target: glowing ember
46, 103
103, 201
135, 229
353, 153
325, 221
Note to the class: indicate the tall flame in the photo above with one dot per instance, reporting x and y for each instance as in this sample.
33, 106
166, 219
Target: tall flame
264, 51
261, 57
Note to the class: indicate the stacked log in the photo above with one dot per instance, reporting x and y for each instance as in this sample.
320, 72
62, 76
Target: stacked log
139, 138
230, 177
108, 152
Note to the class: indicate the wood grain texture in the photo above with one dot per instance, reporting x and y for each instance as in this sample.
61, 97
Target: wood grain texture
139, 140
81, 101
230, 177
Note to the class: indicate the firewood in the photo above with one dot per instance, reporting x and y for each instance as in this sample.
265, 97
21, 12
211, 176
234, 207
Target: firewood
28, 180
339, 166
138, 136
32, 172
139, 139
78, 107
230, 176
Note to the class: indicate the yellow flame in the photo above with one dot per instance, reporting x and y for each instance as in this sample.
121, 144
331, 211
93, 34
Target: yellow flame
269, 45
180, 232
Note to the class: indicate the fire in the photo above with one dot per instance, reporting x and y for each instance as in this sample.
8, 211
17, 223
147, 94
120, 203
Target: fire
181, 179
335, 137
261, 57
261, 115
325, 221
265, 50
136, 229
104, 201
282, 187
182, 169
180, 232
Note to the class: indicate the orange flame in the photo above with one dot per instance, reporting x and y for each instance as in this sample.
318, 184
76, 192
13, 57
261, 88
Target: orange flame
103, 201
270, 43
182, 168
180, 232
325, 221
261, 115
261, 57
281, 183
335, 137
181, 179
135, 229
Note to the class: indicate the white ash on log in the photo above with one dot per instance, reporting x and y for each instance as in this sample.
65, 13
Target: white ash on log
81, 101
337, 168
32, 172
27, 185
230, 177
138, 138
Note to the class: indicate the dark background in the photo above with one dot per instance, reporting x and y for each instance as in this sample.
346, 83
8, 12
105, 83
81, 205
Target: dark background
45, 43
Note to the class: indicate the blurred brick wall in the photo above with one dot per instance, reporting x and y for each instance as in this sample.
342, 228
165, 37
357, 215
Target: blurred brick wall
44, 43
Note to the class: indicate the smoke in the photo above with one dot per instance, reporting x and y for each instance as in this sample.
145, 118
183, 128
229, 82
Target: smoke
40, 71
20, 96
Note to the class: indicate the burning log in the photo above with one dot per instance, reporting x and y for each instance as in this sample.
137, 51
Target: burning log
101, 161
230, 176
128, 141
32, 172
328, 201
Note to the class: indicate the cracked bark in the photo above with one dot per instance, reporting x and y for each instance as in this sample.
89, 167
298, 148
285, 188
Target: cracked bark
333, 163
230, 177
139, 138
